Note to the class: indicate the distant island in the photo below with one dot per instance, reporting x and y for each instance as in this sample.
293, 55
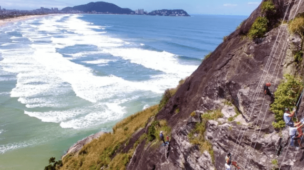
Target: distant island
109, 8
91, 8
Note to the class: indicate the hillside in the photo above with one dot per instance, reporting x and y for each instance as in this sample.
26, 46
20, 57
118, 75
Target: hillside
102, 7
221, 107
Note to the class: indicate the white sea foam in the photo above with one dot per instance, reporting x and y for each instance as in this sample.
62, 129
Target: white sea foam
161, 61
45, 77
101, 61
6, 44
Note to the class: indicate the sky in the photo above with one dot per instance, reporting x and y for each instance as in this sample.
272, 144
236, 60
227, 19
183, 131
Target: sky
217, 7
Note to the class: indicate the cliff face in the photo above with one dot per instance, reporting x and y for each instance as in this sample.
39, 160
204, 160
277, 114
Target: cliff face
230, 81
235, 71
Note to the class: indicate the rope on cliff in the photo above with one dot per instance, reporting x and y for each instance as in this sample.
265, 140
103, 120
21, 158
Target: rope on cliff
302, 93
262, 79
276, 78
280, 61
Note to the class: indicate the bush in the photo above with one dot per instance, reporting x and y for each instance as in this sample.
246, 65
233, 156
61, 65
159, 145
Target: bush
258, 28
298, 56
296, 26
152, 131
268, 6
53, 164
193, 114
166, 97
286, 96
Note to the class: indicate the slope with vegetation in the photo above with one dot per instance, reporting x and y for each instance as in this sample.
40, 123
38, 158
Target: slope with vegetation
220, 108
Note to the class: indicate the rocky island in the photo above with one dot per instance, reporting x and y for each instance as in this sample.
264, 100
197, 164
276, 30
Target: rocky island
109, 8
221, 108
166, 12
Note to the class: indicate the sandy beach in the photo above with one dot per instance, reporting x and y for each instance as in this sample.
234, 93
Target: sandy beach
17, 19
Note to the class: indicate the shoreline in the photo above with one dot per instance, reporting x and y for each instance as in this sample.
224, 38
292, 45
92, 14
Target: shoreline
7, 21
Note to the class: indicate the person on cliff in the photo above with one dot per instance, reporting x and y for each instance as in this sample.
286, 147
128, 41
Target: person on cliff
162, 137
287, 116
229, 162
295, 134
267, 91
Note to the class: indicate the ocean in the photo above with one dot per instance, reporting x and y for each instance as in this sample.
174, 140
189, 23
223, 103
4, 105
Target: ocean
65, 77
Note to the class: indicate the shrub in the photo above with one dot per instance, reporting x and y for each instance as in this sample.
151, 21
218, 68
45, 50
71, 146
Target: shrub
193, 114
298, 56
166, 97
53, 164
258, 28
296, 26
286, 96
268, 6
152, 131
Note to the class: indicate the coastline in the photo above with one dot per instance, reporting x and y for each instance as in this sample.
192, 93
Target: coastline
4, 22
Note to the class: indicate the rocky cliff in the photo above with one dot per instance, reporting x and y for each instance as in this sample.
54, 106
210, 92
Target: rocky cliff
230, 81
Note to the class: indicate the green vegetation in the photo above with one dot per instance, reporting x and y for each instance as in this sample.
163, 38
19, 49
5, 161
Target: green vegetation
228, 103
199, 130
298, 56
258, 28
166, 97
177, 111
207, 56
296, 26
213, 115
193, 114
268, 6
106, 150
53, 164
225, 38
286, 96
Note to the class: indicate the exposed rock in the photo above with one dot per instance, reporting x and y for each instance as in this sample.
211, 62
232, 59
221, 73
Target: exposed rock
78, 146
232, 72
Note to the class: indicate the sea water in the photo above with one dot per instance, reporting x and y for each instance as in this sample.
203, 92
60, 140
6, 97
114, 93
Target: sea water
65, 77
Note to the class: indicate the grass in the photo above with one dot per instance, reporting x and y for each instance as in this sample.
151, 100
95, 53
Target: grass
105, 151
286, 96
228, 103
207, 56
258, 28
197, 135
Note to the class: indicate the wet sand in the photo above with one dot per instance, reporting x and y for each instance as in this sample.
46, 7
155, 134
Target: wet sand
4, 22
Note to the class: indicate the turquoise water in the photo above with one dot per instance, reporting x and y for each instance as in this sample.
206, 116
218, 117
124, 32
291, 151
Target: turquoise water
65, 77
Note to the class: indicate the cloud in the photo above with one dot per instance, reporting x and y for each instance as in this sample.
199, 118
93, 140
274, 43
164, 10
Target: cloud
230, 5
254, 3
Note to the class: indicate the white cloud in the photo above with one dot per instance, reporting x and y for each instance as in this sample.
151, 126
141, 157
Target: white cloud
230, 5
254, 3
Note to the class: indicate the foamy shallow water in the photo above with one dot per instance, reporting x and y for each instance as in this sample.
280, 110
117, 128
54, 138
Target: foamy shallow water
65, 77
